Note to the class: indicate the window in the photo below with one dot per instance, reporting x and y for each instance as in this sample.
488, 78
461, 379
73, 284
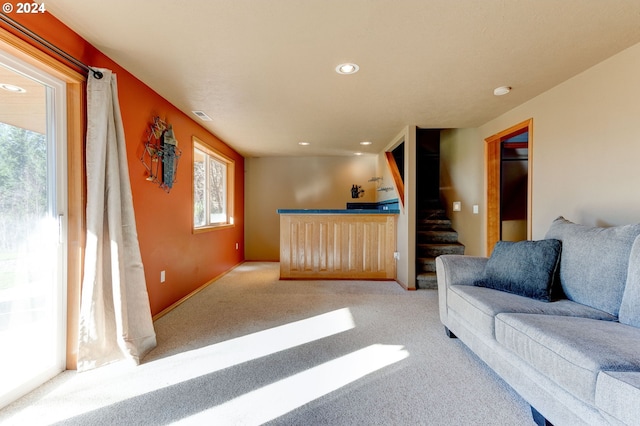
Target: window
212, 187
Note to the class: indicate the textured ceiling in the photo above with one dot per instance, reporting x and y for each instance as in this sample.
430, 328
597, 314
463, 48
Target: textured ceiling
264, 70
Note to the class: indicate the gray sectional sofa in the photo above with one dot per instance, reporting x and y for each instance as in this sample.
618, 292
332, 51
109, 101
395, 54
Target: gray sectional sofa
557, 319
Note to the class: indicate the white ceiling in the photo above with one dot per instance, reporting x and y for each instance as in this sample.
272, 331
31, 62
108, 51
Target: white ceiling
264, 70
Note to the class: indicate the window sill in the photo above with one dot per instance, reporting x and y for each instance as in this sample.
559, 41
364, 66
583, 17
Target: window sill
210, 228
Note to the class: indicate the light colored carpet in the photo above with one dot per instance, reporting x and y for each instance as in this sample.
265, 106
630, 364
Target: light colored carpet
251, 349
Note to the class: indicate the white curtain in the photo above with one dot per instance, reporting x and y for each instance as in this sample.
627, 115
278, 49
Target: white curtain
115, 315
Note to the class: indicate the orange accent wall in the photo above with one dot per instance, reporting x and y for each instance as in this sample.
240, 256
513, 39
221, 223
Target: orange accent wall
164, 220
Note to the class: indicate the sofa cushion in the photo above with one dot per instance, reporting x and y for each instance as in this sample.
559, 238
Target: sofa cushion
570, 351
478, 306
617, 396
525, 268
630, 306
594, 262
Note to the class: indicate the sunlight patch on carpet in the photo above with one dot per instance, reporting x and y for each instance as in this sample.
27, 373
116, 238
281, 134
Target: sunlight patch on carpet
274, 400
236, 351
173, 370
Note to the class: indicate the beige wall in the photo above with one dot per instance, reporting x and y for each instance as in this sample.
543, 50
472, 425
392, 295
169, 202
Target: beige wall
273, 183
462, 179
406, 236
586, 152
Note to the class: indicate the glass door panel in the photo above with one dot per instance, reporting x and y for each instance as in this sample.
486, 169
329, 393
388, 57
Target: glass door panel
32, 246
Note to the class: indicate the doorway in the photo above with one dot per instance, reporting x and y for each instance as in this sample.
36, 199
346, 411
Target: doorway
514, 172
509, 166
33, 207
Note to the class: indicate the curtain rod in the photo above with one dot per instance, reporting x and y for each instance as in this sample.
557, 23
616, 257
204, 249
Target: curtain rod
33, 36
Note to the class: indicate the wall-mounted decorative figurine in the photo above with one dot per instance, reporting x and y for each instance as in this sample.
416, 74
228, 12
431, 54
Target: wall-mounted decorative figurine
356, 191
170, 156
161, 154
378, 180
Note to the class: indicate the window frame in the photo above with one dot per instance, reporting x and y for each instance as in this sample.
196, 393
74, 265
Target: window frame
76, 191
213, 153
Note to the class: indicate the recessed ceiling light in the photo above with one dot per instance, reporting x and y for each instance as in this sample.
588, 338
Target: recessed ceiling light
502, 90
365, 143
357, 153
304, 143
348, 68
12, 88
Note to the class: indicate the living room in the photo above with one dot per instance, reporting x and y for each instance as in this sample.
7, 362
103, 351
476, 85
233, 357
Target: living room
584, 149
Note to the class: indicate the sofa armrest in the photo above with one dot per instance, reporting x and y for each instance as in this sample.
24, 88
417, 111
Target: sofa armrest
618, 396
454, 269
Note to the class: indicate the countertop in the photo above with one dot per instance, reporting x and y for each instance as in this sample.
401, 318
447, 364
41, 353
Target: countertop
337, 211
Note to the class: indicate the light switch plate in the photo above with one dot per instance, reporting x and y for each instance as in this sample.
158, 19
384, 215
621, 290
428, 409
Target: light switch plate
457, 206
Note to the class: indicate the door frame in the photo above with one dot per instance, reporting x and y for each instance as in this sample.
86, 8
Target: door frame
492, 161
76, 228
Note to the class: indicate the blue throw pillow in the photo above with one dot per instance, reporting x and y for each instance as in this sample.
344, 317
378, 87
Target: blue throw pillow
525, 268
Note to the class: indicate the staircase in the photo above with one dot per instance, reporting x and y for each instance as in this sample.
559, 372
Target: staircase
434, 236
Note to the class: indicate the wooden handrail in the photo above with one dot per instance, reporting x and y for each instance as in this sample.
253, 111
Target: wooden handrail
397, 177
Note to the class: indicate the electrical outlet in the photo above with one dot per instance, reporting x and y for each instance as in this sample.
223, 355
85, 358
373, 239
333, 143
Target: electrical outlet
476, 209
237, 245
162, 276
396, 255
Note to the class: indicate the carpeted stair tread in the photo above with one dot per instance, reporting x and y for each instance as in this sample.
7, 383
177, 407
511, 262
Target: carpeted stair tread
437, 249
447, 235
427, 281
434, 223
431, 213
425, 264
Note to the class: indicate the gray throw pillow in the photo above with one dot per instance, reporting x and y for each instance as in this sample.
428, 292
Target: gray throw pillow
525, 268
630, 306
594, 263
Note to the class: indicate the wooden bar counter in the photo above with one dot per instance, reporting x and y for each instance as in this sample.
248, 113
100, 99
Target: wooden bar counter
337, 244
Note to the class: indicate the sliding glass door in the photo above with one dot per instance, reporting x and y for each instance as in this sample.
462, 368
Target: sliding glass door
32, 227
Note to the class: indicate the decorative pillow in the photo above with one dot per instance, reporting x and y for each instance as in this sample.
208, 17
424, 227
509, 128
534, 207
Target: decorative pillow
630, 306
594, 263
526, 268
